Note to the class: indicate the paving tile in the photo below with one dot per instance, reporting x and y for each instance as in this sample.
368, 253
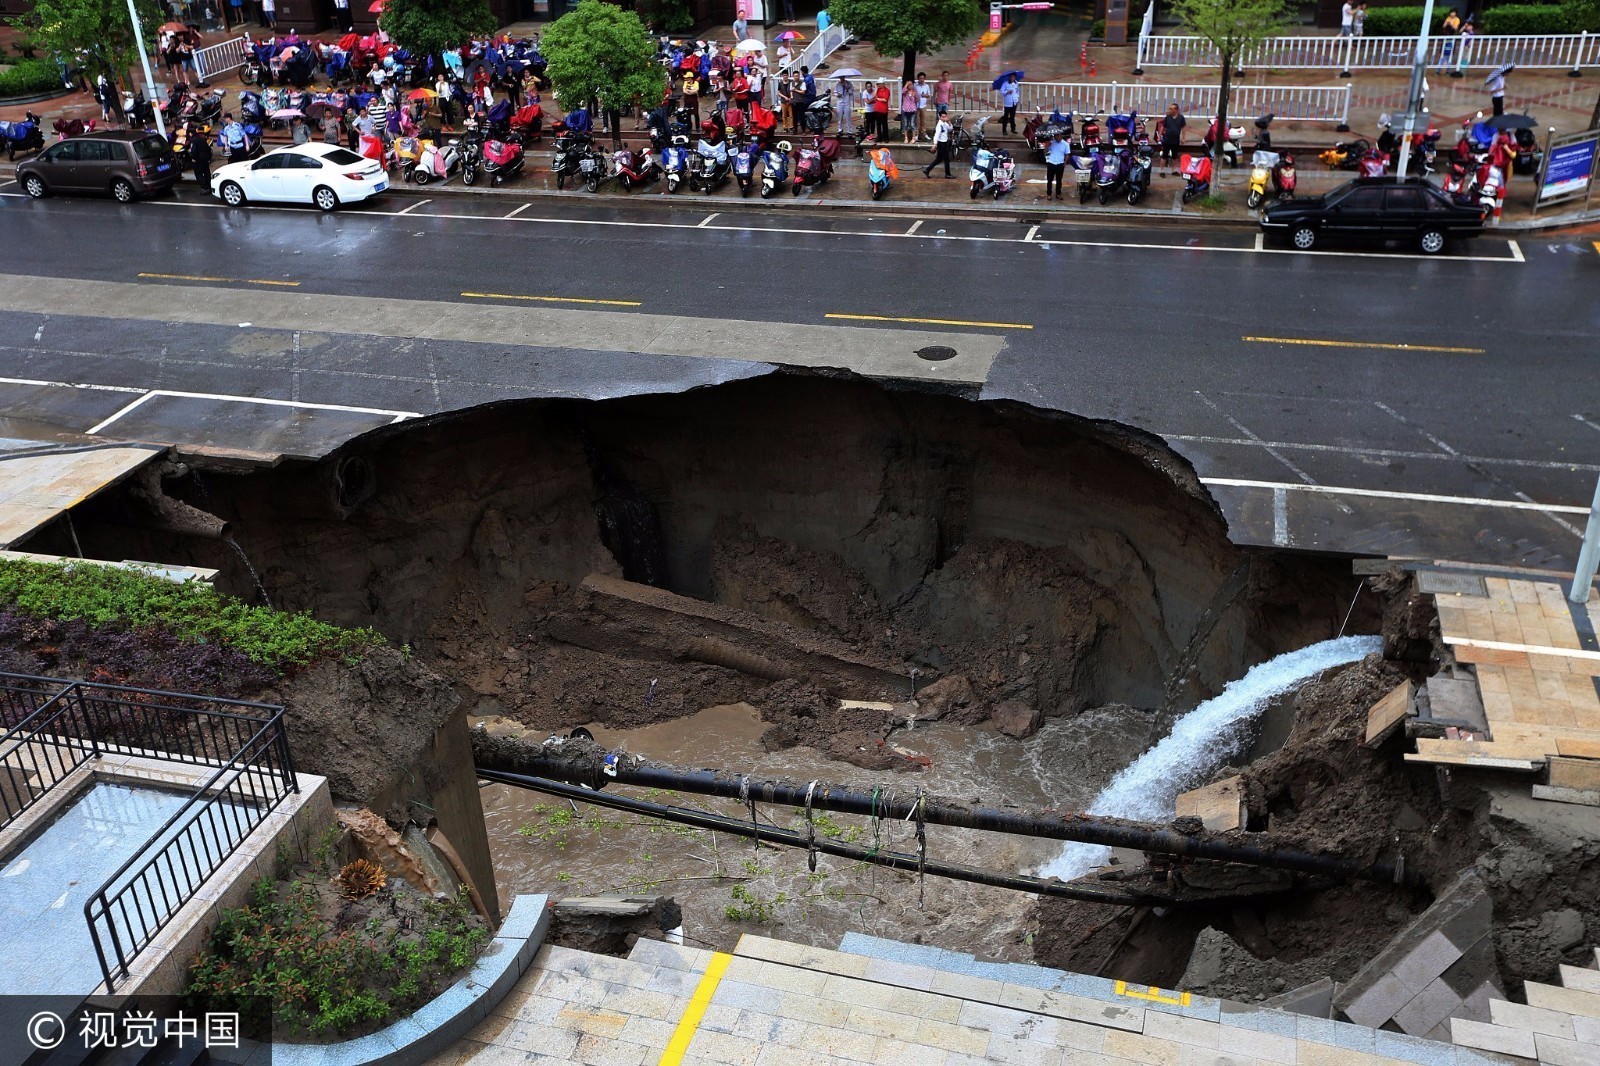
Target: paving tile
1566, 1000
726, 1048
1555, 1051
1380, 1002
876, 1022
720, 1017
594, 1050
762, 1028
1425, 962
1428, 1009
594, 1022
839, 1043
896, 973
1404, 1048
1183, 1030
649, 1032
807, 1009
1487, 1037
1265, 1046
949, 1037
1579, 978
1141, 1048
747, 996
638, 1001
1586, 1030
1276, 1022
1533, 1019
965, 986
778, 1055
905, 1053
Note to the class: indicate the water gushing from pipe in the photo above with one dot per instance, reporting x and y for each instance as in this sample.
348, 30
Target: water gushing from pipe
1206, 738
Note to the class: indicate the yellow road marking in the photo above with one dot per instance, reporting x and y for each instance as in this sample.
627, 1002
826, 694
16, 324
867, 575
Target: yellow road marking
1597, 246
550, 299
678, 1046
1364, 344
1154, 994
205, 277
932, 321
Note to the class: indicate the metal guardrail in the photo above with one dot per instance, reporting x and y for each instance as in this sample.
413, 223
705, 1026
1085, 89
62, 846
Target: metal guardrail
1542, 51
217, 58
1299, 103
56, 726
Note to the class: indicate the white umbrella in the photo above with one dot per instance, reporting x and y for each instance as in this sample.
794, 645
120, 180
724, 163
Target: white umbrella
847, 72
750, 46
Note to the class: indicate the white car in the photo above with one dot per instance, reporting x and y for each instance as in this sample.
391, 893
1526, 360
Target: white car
322, 174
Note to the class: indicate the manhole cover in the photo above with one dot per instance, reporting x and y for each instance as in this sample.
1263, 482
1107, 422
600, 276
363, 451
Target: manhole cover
936, 353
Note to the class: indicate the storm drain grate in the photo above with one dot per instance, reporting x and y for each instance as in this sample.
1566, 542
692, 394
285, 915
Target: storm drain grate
936, 353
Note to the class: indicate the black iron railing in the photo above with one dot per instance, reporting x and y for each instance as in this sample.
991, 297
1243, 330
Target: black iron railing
55, 726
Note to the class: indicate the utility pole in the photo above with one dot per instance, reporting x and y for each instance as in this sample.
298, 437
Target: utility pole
1419, 74
149, 79
1589, 556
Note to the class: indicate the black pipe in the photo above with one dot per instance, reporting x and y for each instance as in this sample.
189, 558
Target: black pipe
582, 762
1125, 896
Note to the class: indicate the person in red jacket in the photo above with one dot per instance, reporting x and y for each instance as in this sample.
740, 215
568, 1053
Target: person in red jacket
880, 112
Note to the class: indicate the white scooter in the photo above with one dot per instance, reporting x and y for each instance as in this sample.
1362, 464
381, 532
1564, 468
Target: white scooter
437, 162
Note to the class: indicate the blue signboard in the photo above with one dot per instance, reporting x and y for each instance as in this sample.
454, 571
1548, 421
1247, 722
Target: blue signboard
1568, 170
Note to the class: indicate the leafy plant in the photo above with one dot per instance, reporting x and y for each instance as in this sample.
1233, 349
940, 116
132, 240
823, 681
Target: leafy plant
193, 612
360, 879
430, 27
909, 28
1232, 27
100, 31
749, 907
599, 52
27, 77
667, 16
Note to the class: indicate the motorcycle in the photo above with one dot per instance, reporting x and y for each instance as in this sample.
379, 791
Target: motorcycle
815, 164
634, 168
1196, 170
817, 117
1110, 174
708, 165
437, 162
774, 168
407, 151
1121, 130
1140, 168
1262, 164
1346, 155
993, 171
1374, 164
1460, 179
675, 161
1491, 188
592, 167
503, 160
1528, 154
1283, 178
1091, 132
139, 111
1040, 131
1082, 161
471, 156
881, 171
744, 168
1230, 144
22, 136
570, 148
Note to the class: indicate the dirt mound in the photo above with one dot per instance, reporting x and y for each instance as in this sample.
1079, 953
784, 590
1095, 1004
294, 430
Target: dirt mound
807, 589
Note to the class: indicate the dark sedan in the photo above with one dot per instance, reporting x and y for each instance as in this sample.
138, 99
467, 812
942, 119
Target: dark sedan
1383, 209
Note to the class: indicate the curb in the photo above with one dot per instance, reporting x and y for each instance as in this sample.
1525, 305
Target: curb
452, 1014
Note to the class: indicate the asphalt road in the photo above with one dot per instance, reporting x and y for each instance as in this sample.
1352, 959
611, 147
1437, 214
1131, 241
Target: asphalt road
1357, 399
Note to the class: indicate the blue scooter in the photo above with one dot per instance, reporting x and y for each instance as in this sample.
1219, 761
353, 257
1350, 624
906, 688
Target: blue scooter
775, 168
675, 162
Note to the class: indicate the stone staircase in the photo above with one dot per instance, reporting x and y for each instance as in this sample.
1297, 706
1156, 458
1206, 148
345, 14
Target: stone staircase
1559, 1025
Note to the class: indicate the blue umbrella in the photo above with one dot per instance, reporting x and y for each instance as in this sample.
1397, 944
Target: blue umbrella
1001, 80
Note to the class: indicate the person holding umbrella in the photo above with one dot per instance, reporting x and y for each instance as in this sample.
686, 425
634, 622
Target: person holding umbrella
1496, 81
1010, 96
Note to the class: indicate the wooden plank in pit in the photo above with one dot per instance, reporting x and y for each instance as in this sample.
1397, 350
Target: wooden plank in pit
1577, 748
1581, 774
1219, 806
1385, 715
1479, 762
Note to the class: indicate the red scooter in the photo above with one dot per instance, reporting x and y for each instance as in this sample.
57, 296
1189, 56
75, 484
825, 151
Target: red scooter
635, 168
503, 160
815, 164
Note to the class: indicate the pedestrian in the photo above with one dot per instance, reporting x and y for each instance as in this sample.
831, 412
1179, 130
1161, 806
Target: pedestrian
924, 98
378, 114
880, 111
299, 132
341, 15
785, 54
908, 111
691, 96
1463, 46
1448, 29
269, 14
352, 127
1496, 81
844, 95
105, 94
788, 11
1055, 164
741, 28
1010, 95
234, 140
808, 89
786, 93
941, 147
200, 156
447, 108
330, 126
1172, 124
1347, 19
1358, 21
186, 71
941, 93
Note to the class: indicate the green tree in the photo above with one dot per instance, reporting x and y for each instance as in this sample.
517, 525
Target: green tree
666, 16
429, 27
1232, 27
600, 53
99, 29
909, 28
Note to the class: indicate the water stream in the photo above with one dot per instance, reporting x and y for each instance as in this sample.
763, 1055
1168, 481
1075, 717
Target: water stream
228, 538
1202, 741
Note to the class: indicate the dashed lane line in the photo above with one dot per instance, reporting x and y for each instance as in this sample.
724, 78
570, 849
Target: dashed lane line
928, 321
233, 281
1381, 453
1388, 494
550, 299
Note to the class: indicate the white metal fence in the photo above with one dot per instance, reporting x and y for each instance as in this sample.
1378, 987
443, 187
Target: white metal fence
1546, 51
1300, 103
819, 47
217, 58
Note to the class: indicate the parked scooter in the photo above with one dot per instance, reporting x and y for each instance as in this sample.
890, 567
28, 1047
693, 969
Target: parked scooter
1141, 166
634, 168
1110, 174
1230, 144
818, 117
1262, 164
744, 167
1346, 155
881, 171
675, 161
1374, 164
592, 166
1082, 161
503, 160
23, 136
1196, 170
437, 162
1283, 176
993, 171
570, 148
471, 156
815, 164
775, 168
708, 165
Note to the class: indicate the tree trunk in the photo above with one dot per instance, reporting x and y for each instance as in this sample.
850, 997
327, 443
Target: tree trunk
1222, 115
909, 71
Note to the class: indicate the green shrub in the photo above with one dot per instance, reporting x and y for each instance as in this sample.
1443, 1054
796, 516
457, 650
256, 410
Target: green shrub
1400, 21
27, 77
1570, 16
191, 610
1526, 18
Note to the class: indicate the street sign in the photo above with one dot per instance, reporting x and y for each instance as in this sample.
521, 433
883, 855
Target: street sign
1568, 167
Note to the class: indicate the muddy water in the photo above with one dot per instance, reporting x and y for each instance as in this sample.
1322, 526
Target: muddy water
566, 851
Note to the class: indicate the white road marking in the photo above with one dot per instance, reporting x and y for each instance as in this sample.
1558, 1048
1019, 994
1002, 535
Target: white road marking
1382, 453
1284, 459
70, 385
1516, 250
98, 426
1585, 421
519, 211
414, 206
912, 232
704, 222
1261, 242
1032, 232
1280, 517
1386, 494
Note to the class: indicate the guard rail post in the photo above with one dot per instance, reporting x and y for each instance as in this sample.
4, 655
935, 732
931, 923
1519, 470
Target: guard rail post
1577, 58
1344, 115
